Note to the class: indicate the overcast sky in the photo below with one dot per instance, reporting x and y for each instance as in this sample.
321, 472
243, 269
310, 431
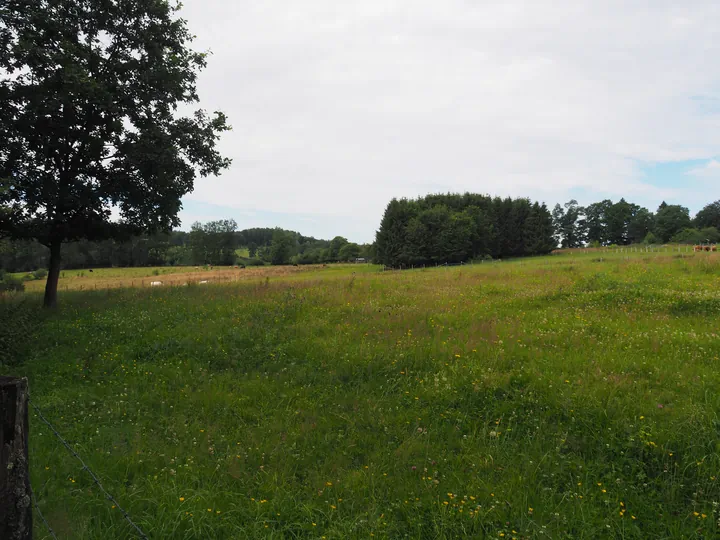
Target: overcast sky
340, 105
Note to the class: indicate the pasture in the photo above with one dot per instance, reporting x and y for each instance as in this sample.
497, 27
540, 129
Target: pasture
571, 396
118, 278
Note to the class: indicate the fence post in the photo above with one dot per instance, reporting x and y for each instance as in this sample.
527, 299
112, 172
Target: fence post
15, 494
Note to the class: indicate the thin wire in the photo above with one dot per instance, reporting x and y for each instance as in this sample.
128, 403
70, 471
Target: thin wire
37, 508
92, 474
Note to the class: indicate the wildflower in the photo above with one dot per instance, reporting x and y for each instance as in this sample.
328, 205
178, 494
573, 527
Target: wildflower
328, 484
182, 499
209, 509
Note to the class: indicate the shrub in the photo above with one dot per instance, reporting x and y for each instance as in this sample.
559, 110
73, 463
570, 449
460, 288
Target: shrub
650, 239
40, 273
11, 284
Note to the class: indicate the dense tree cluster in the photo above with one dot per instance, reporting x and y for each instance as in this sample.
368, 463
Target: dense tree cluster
452, 228
622, 223
214, 243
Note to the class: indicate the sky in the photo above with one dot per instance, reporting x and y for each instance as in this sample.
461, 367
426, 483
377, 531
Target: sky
339, 106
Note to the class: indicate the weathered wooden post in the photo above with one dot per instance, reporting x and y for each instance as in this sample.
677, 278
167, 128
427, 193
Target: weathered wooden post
15, 494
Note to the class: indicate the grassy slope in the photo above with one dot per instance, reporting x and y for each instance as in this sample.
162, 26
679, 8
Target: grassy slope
558, 397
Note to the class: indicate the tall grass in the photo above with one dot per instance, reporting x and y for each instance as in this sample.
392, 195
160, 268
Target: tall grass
557, 397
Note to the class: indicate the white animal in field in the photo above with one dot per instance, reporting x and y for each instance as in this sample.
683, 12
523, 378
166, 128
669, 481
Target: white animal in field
155, 283
203, 282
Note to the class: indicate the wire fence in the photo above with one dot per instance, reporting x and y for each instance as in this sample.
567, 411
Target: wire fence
42, 518
108, 496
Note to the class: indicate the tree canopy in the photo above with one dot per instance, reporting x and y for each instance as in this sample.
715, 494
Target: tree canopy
453, 228
89, 96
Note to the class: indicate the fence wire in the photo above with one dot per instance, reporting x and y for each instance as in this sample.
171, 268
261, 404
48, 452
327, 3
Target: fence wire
92, 474
42, 518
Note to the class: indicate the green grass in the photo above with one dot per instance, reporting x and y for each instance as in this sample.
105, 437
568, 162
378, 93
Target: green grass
564, 397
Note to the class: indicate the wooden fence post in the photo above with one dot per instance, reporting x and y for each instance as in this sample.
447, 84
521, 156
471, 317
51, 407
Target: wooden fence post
15, 494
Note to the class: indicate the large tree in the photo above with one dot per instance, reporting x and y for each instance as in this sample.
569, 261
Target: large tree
709, 216
89, 120
670, 220
282, 246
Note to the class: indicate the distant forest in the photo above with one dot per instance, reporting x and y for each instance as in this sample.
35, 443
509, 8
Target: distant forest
454, 228
430, 230
217, 243
622, 223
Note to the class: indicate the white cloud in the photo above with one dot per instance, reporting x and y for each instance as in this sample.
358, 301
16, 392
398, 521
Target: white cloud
709, 170
339, 106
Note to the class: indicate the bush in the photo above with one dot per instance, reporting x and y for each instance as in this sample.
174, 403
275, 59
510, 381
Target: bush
40, 273
11, 284
650, 239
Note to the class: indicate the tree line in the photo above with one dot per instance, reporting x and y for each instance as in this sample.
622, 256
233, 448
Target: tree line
453, 228
606, 223
215, 243
460, 227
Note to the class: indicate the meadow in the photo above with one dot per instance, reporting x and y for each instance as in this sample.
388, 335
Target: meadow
569, 396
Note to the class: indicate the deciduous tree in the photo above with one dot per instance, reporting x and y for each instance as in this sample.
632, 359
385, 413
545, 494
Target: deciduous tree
89, 120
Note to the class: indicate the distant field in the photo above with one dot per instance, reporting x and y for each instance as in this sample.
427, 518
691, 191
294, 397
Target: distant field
113, 278
571, 396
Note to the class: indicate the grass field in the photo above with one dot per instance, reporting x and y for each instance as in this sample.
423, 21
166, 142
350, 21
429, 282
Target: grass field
115, 278
572, 396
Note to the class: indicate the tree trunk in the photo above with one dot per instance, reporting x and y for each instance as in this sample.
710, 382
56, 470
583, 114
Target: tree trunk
15, 494
51, 286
